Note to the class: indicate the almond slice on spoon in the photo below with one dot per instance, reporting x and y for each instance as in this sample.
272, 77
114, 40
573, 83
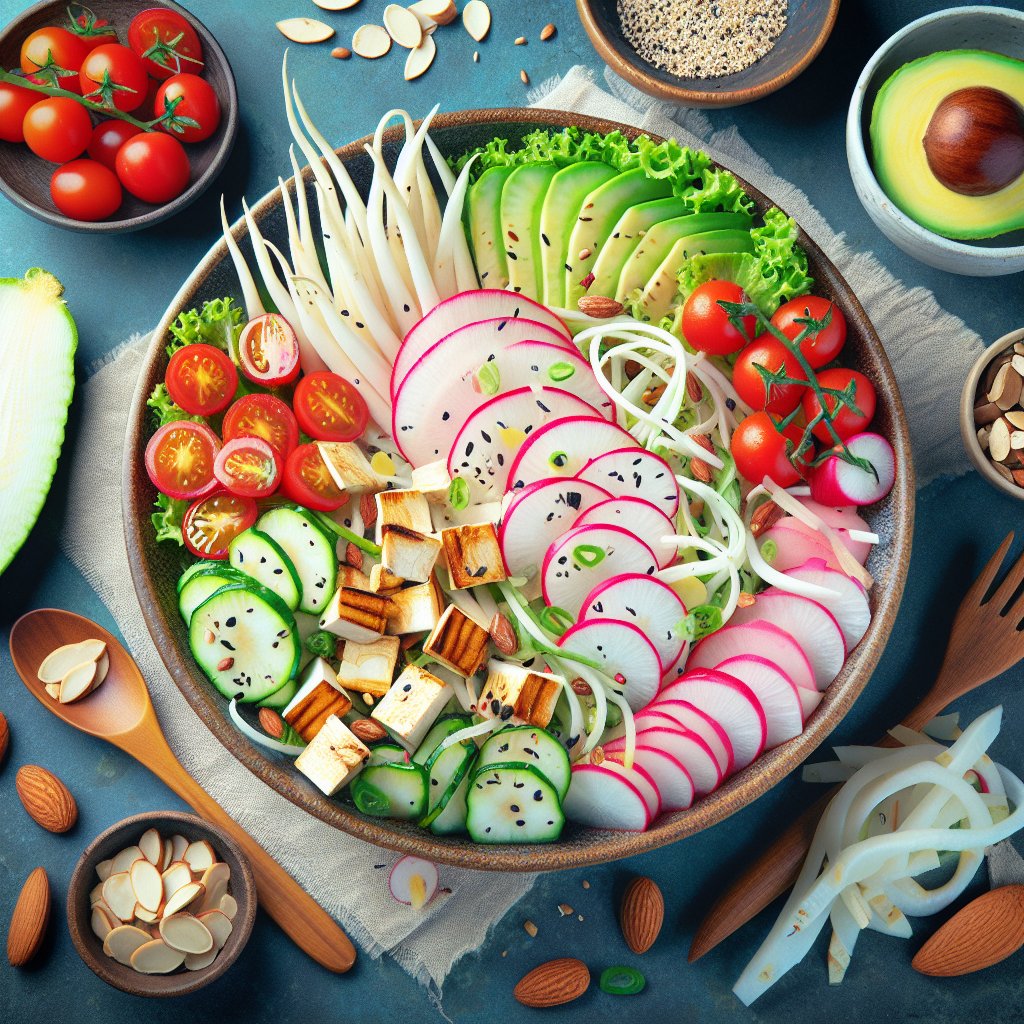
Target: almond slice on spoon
219, 924
371, 41
102, 668
122, 942
119, 895
199, 856
476, 19
403, 26
148, 886
57, 664
77, 683
156, 957
183, 897
304, 30
186, 933
440, 12
53, 689
420, 59
151, 846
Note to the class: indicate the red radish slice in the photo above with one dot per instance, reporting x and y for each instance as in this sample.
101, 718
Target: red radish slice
761, 638
647, 602
836, 482
693, 718
810, 624
586, 556
685, 746
809, 701
623, 652
672, 779
731, 703
607, 796
490, 439
850, 607
413, 881
634, 472
641, 518
843, 521
467, 308
537, 516
784, 547
778, 694
564, 447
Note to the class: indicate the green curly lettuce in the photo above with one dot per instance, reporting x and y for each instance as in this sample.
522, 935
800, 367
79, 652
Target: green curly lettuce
165, 410
322, 644
168, 518
218, 323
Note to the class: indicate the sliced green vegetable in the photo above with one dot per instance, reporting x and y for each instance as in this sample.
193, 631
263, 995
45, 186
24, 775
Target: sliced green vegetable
621, 981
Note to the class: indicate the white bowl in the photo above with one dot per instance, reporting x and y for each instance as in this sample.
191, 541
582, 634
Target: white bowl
999, 29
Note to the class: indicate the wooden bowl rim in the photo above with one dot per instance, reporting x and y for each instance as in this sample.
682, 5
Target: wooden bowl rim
743, 788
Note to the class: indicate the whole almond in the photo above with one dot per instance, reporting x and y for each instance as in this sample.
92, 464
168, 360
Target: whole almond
985, 932
368, 730
503, 635
765, 516
368, 509
641, 914
600, 306
693, 387
5, 736
553, 983
547, 32
341, 52
271, 723
353, 556
29, 920
701, 470
46, 798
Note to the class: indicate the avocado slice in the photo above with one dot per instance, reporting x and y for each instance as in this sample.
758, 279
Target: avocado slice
566, 194
643, 262
598, 215
484, 224
900, 117
522, 199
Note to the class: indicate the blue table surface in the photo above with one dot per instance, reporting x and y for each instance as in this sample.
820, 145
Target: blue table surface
117, 285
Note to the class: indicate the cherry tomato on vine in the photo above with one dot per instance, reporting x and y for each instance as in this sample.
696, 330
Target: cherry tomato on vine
113, 74
196, 99
824, 346
93, 31
57, 129
212, 523
329, 408
248, 467
760, 450
15, 103
263, 416
770, 353
180, 458
201, 379
167, 41
153, 167
706, 325
268, 350
845, 420
58, 45
308, 481
107, 139
85, 190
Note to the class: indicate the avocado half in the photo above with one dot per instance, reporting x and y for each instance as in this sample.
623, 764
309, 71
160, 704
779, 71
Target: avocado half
903, 109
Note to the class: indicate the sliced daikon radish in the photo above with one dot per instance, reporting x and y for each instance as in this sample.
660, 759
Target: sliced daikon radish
641, 518
119, 895
102, 922
199, 856
200, 961
219, 926
622, 651
215, 879
413, 881
77, 683
56, 665
151, 846
697, 721
675, 787
179, 844
228, 906
156, 957
632, 472
689, 749
586, 556
778, 695
761, 638
810, 624
121, 942
182, 897
809, 701
176, 876
835, 482
186, 933
147, 885
104, 869
608, 796
851, 608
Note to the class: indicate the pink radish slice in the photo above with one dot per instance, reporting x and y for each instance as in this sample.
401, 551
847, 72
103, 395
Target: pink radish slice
585, 556
564, 447
809, 701
836, 482
537, 516
607, 796
647, 602
623, 652
675, 787
810, 624
761, 638
634, 472
489, 440
400, 881
778, 694
731, 703
693, 718
843, 521
685, 746
784, 547
641, 518
462, 309
850, 608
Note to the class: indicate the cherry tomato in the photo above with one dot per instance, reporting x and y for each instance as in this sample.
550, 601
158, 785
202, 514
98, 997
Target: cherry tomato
153, 167
201, 379
846, 421
93, 31
15, 103
308, 481
263, 416
58, 129
706, 325
196, 99
180, 458
760, 450
56, 45
329, 408
212, 523
770, 353
85, 190
268, 351
107, 139
248, 467
167, 41
825, 346
113, 74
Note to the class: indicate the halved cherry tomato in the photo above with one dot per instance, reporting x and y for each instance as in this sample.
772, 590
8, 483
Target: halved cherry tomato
15, 103
57, 129
107, 139
846, 421
265, 417
329, 408
113, 74
706, 325
167, 41
268, 350
180, 458
760, 450
248, 467
769, 352
85, 190
308, 481
154, 167
196, 99
59, 46
826, 345
201, 379
213, 522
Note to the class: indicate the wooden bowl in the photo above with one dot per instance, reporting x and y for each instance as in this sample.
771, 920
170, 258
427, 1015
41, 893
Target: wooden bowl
808, 26
242, 887
25, 178
155, 568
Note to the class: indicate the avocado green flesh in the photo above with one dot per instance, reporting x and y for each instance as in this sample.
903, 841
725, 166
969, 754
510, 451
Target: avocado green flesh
522, 199
484, 206
565, 196
900, 117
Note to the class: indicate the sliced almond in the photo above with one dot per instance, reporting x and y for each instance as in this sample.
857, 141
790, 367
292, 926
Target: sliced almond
1006, 387
119, 895
199, 856
179, 844
440, 12
57, 664
122, 942
104, 869
420, 59
166, 855
102, 923
178, 875
148, 886
983, 433
228, 906
335, 5
125, 859
102, 667
152, 846
992, 369
77, 682
156, 957
215, 879
183, 897
1017, 362
187, 933
148, 917
200, 961
53, 689
1015, 417
403, 26
999, 441
96, 895
476, 19
1016, 440
304, 30
371, 41
219, 924
1005, 473
1018, 347
986, 412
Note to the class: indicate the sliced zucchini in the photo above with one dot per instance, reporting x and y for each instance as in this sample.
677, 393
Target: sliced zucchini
201, 583
262, 558
438, 733
452, 815
391, 790
512, 803
280, 699
385, 753
311, 552
533, 746
447, 768
197, 567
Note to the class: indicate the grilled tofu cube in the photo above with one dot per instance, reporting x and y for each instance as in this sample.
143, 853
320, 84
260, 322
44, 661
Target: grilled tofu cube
444, 516
384, 581
369, 668
457, 642
408, 554
518, 694
415, 609
432, 481
406, 508
473, 554
356, 615
334, 756
350, 468
319, 696
411, 706
354, 578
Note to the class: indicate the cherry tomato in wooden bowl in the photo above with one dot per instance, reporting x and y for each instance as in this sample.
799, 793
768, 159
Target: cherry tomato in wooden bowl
308, 481
194, 98
93, 31
166, 41
180, 458
248, 467
114, 74
57, 129
845, 420
329, 408
768, 352
706, 326
268, 351
761, 450
85, 190
53, 45
107, 139
201, 379
15, 103
212, 523
821, 348
153, 167
265, 417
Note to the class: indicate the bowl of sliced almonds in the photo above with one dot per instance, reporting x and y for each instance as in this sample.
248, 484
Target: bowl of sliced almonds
161, 904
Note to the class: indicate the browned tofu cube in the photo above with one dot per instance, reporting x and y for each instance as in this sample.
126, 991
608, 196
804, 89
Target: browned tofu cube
408, 554
517, 694
356, 615
405, 508
354, 578
318, 697
370, 668
384, 581
457, 642
415, 609
473, 554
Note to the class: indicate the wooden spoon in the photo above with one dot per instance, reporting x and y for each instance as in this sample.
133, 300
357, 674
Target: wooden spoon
121, 712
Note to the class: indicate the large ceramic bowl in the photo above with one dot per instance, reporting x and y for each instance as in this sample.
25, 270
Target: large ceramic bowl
999, 29
155, 568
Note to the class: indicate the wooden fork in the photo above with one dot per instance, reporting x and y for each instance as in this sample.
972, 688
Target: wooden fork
984, 642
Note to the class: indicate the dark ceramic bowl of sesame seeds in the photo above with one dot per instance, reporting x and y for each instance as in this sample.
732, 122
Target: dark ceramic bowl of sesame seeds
672, 50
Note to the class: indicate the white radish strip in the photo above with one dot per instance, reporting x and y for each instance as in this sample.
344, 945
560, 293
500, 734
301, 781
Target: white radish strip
628, 723
465, 269
302, 203
845, 933
291, 749
451, 231
304, 262
577, 723
431, 209
376, 205
250, 293
407, 177
404, 307
488, 725
944, 727
827, 772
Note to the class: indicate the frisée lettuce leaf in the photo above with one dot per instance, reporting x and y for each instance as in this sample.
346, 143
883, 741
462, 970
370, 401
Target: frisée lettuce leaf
168, 518
218, 323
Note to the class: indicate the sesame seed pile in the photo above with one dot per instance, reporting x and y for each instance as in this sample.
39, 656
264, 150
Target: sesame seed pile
702, 38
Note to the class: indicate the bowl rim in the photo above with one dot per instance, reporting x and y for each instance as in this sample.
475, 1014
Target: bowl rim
634, 72
741, 790
857, 148
229, 133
